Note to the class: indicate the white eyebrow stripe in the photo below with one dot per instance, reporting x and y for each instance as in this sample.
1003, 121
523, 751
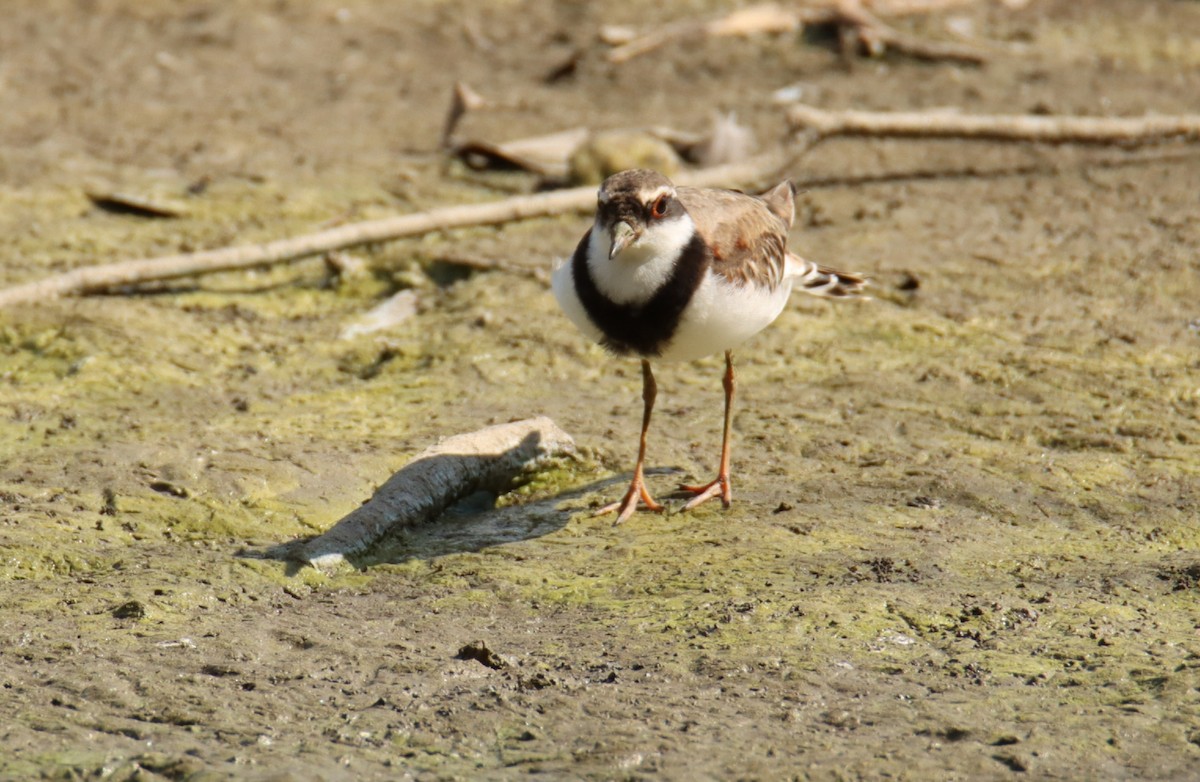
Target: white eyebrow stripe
652, 196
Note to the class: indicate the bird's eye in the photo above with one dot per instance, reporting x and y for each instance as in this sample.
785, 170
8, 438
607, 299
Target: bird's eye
659, 210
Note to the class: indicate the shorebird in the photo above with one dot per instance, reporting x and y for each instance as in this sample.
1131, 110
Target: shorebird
670, 273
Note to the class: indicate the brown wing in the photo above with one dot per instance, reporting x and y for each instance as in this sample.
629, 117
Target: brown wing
747, 237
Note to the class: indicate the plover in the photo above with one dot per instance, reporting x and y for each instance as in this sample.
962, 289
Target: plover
671, 273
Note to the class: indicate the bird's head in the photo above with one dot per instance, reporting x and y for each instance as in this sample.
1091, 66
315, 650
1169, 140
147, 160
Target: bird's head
639, 214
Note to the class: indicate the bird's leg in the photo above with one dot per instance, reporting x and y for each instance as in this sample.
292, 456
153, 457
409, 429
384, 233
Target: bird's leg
637, 487
721, 485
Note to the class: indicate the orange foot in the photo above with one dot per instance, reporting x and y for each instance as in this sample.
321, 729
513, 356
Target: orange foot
721, 486
629, 503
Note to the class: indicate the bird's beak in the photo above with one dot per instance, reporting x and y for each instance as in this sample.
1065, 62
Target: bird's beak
622, 235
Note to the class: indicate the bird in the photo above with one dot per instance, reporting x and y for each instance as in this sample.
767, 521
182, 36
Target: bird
673, 274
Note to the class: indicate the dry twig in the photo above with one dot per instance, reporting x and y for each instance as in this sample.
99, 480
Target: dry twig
439, 476
106, 277
996, 127
755, 20
463, 99
858, 27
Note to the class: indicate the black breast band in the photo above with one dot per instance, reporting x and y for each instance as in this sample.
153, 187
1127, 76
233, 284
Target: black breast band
645, 328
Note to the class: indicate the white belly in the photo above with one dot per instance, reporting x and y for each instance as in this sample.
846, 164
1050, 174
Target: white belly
722, 316
719, 317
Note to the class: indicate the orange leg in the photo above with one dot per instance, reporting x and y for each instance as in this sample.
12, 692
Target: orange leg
721, 485
637, 487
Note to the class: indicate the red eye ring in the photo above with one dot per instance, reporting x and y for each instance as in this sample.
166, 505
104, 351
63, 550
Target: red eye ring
659, 210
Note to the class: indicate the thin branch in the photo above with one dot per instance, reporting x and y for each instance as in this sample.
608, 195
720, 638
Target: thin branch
1127, 159
105, 277
755, 20
856, 23
994, 127
463, 99
874, 37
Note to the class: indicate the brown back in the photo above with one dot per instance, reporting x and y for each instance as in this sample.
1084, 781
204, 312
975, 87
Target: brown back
746, 234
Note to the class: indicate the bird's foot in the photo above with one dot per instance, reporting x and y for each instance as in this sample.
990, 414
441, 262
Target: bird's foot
720, 487
626, 506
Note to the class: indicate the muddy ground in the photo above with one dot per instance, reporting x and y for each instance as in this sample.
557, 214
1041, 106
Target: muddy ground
965, 539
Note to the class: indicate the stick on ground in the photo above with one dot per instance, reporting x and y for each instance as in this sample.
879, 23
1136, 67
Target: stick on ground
994, 127
858, 26
439, 476
106, 277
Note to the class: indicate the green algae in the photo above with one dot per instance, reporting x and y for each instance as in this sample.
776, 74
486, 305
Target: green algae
963, 522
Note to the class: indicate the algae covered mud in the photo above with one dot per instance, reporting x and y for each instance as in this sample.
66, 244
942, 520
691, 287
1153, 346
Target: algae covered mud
965, 529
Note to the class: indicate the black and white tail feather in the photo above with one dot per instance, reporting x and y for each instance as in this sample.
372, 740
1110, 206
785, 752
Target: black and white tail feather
822, 281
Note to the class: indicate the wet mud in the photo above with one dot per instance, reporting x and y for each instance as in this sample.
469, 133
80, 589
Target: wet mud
966, 522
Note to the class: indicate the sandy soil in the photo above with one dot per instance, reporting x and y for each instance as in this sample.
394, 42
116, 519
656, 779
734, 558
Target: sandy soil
964, 543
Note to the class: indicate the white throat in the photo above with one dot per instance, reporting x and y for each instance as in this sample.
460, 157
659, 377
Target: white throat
639, 270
